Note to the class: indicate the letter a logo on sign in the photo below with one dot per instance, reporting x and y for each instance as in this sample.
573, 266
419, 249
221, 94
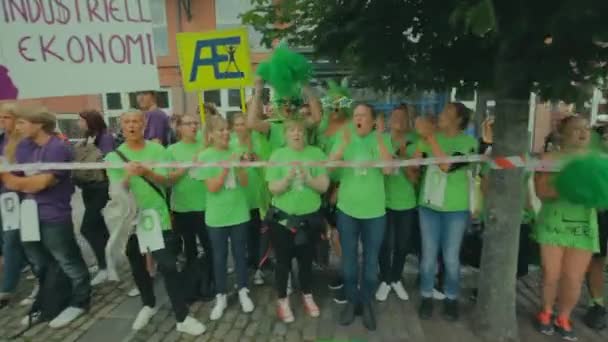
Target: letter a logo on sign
215, 60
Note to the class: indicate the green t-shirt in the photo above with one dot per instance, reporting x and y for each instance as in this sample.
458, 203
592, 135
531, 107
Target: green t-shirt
228, 206
255, 187
188, 194
400, 192
145, 196
299, 199
361, 193
276, 135
449, 191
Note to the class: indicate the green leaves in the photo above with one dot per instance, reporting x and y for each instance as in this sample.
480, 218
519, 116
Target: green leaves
411, 45
478, 18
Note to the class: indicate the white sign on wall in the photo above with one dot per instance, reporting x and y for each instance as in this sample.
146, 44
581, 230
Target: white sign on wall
75, 47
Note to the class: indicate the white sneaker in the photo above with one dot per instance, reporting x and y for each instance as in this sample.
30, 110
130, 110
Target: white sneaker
258, 278
438, 295
134, 292
382, 292
218, 309
399, 290
143, 317
191, 326
246, 303
66, 317
100, 278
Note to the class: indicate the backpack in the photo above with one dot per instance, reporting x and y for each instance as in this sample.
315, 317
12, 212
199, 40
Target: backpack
86, 152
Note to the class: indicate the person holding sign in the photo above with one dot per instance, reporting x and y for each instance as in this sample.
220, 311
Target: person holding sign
361, 210
45, 213
153, 233
227, 215
251, 146
444, 204
12, 249
295, 218
401, 207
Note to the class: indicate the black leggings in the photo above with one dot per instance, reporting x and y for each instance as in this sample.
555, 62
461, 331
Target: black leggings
173, 277
94, 229
190, 226
285, 250
253, 239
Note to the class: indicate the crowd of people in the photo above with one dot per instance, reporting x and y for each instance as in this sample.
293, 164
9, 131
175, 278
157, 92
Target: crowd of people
184, 213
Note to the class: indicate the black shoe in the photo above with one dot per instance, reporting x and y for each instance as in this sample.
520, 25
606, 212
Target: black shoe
595, 318
340, 297
450, 310
426, 308
369, 318
474, 295
347, 316
336, 284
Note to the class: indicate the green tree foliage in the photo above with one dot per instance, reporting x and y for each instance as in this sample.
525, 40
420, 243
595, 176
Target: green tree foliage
555, 47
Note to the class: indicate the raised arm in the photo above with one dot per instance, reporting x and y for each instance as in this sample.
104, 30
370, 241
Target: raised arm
315, 107
254, 112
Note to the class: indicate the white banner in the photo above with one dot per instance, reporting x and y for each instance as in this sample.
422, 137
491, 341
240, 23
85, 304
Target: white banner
75, 47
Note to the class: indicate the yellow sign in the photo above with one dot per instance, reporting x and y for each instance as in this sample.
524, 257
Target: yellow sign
215, 59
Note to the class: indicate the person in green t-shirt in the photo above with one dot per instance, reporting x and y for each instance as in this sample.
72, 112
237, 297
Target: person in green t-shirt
251, 146
361, 210
154, 225
226, 216
296, 203
284, 109
188, 195
567, 234
400, 208
444, 204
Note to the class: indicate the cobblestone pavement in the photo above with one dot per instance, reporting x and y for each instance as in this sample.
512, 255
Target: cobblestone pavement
112, 313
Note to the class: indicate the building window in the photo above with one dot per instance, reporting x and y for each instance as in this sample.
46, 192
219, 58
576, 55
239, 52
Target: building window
213, 96
117, 103
113, 101
159, 27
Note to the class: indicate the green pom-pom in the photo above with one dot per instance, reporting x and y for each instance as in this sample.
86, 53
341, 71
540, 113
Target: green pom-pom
286, 71
584, 181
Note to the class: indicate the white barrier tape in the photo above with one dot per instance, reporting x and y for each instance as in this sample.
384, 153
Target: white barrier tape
496, 163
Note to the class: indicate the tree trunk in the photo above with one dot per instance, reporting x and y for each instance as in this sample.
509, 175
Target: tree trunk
496, 315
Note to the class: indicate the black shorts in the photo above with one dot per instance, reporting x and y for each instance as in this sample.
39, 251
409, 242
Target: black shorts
602, 223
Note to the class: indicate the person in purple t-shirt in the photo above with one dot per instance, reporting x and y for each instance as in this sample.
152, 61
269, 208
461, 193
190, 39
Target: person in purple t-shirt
52, 191
157, 122
95, 193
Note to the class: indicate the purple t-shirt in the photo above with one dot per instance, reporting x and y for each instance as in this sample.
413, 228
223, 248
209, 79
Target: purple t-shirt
53, 202
105, 143
157, 126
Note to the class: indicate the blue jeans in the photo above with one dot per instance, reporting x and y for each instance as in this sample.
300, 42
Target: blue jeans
219, 248
57, 241
371, 232
14, 260
441, 231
